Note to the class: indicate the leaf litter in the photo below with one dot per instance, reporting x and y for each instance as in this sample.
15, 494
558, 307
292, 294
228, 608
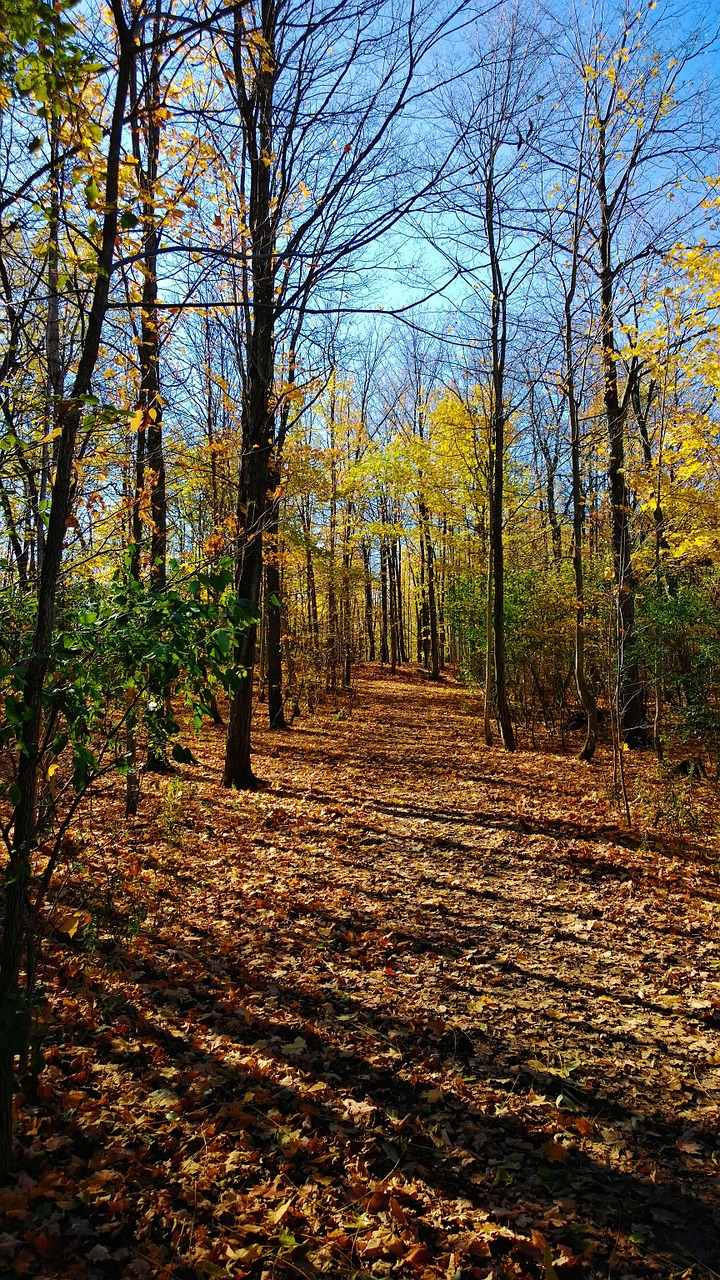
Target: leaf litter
419, 1008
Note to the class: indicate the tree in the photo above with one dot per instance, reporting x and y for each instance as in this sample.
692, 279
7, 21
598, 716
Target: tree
642, 136
320, 99
70, 417
493, 127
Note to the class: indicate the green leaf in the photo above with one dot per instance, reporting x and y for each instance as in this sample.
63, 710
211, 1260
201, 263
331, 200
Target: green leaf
15, 794
128, 220
221, 640
84, 763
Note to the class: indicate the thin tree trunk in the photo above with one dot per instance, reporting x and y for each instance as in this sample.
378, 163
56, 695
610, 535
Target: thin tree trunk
631, 708
489, 633
276, 711
384, 649
369, 619
69, 417
312, 597
498, 347
54, 386
433, 649
397, 570
346, 610
150, 438
585, 694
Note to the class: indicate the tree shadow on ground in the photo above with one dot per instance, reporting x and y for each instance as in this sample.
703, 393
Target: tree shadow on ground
495, 1160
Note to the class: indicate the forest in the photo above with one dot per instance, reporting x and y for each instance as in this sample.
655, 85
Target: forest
359, 639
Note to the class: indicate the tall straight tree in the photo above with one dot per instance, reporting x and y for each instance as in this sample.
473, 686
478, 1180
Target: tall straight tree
146, 127
639, 123
571, 304
69, 416
320, 93
494, 119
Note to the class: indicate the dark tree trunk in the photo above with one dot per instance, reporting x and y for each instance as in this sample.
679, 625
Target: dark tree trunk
384, 649
346, 628
392, 611
585, 693
631, 702
313, 620
369, 618
498, 347
555, 530
256, 112
433, 650
14, 936
150, 462
424, 629
238, 770
397, 571
273, 588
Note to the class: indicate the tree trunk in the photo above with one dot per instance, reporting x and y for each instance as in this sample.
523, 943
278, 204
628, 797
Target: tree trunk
384, 650
313, 621
276, 712
585, 694
489, 649
69, 417
498, 343
54, 385
392, 608
369, 619
555, 530
256, 113
346, 610
433, 649
150, 453
238, 770
397, 570
631, 708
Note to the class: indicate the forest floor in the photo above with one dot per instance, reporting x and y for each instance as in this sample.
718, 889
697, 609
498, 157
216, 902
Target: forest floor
420, 1008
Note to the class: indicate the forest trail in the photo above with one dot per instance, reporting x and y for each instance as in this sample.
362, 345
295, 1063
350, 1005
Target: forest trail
419, 1008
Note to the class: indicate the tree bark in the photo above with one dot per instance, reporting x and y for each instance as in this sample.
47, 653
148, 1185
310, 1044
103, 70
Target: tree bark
384, 649
256, 112
631, 708
433, 649
498, 346
369, 613
585, 693
276, 712
70, 415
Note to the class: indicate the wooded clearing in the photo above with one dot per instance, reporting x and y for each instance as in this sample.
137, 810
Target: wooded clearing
418, 1008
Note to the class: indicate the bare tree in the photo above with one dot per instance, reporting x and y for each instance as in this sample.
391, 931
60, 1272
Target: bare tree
493, 118
320, 92
638, 137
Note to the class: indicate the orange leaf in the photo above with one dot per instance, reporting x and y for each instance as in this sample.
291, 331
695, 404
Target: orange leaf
419, 1256
555, 1151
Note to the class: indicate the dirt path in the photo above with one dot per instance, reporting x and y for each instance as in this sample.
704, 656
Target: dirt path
419, 1009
